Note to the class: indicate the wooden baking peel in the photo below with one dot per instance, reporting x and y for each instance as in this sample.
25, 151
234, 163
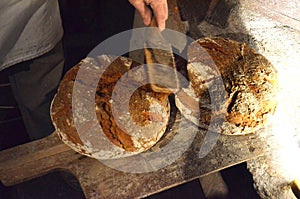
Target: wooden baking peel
163, 78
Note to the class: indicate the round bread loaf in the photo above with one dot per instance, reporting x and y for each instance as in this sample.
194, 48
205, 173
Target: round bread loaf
124, 133
232, 88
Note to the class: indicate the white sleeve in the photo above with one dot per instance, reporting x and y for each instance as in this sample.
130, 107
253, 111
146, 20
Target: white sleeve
28, 29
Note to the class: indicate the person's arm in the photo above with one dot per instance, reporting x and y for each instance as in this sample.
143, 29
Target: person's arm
159, 8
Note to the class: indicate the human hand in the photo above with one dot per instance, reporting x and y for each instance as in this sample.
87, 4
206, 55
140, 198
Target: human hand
159, 8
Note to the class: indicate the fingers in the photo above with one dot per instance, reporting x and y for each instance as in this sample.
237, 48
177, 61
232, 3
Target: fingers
143, 9
160, 11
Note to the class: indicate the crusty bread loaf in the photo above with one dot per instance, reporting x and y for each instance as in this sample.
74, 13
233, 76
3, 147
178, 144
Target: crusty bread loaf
146, 119
243, 101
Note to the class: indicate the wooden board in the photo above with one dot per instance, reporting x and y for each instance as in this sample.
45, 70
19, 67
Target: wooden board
97, 180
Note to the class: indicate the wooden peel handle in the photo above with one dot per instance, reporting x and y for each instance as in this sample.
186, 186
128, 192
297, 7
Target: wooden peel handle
153, 22
34, 159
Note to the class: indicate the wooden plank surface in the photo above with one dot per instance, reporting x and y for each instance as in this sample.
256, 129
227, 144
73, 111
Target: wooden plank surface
34, 159
98, 180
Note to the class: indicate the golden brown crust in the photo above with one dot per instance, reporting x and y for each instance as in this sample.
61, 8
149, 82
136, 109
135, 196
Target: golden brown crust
61, 109
247, 95
140, 107
104, 91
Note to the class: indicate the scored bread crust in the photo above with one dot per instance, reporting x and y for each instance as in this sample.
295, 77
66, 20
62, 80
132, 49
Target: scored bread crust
148, 111
246, 97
